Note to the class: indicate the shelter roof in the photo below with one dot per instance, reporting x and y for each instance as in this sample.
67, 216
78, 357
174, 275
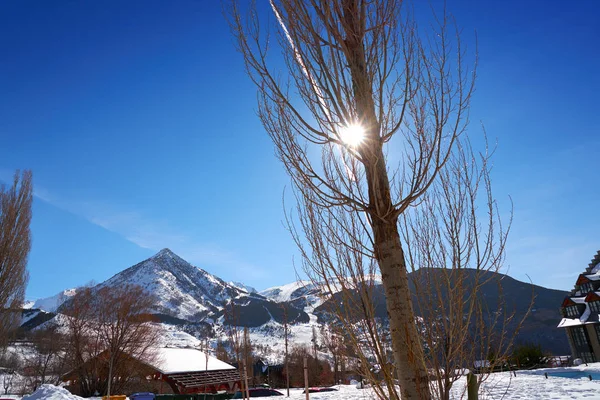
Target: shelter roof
174, 360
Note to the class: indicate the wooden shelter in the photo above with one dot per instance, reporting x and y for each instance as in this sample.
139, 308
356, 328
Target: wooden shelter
193, 371
170, 370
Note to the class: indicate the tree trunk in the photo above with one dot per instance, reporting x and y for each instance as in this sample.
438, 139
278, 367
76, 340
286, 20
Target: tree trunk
406, 343
407, 347
472, 387
110, 366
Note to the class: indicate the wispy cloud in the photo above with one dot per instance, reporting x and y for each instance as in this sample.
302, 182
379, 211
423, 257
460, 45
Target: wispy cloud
151, 233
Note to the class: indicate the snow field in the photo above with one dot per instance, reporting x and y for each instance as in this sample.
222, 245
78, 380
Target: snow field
502, 385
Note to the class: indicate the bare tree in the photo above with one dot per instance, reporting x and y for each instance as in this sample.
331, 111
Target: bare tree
7, 381
352, 295
332, 341
238, 343
84, 344
319, 371
109, 328
123, 318
222, 353
9, 363
47, 362
15, 243
361, 81
456, 241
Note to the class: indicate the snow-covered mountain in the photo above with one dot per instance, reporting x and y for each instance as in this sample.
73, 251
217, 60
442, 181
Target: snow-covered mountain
191, 299
51, 304
242, 286
288, 292
183, 290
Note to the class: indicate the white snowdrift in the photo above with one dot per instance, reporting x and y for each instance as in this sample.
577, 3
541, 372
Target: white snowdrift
51, 392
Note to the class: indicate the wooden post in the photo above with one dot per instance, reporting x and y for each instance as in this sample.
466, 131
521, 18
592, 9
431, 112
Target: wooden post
472, 389
306, 378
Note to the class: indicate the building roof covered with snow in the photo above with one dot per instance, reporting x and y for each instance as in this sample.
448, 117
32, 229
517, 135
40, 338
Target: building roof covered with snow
175, 360
185, 370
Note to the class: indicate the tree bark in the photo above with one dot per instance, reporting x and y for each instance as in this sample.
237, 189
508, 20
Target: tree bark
110, 367
407, 347
406, 343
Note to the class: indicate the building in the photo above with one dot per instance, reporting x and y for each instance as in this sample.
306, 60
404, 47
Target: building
580, 311
171, 370
193, 371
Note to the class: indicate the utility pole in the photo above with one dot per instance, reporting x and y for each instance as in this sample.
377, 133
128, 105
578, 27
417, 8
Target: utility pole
285, 333
306, 378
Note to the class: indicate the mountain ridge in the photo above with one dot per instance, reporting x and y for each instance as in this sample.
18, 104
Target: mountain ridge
193, 299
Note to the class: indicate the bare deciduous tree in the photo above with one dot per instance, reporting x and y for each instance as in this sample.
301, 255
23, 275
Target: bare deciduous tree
123, 318
107, 329
456, 248
84, 345
10, 363
238, 343
319, 371
222, 353
47, 362
361, 80
15, 243
332, 341
456, 243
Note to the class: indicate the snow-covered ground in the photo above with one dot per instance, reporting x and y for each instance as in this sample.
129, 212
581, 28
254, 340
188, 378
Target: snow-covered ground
534, 385
503, 385
525, 385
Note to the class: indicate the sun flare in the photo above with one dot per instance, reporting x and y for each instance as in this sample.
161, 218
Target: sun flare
352, 135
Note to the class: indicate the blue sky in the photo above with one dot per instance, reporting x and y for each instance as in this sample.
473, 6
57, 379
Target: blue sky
139, 124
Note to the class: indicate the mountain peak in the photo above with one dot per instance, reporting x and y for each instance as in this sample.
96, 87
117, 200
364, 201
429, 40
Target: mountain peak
167, 259
165, 252
183, 290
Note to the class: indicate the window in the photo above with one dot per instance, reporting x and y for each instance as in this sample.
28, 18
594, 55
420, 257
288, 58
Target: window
572, 312
586, 287
578, 335
595, 306
597, 327
587, 357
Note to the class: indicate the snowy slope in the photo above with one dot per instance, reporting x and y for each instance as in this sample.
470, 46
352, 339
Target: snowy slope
303, 295
308, 290
240, 285
184, 291
51, 304
288, 292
